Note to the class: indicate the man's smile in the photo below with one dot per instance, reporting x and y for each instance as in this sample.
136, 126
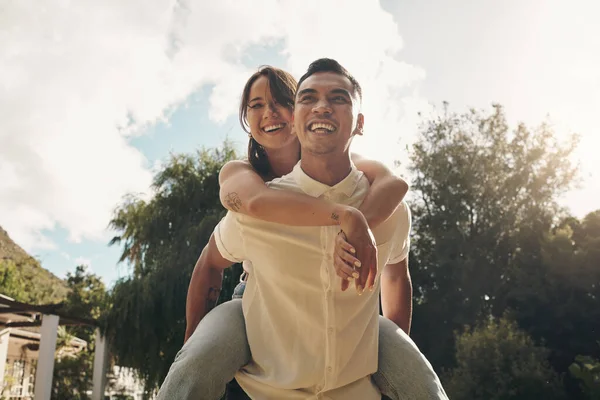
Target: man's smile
321, 128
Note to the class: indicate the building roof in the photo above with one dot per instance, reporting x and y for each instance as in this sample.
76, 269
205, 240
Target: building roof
14, 314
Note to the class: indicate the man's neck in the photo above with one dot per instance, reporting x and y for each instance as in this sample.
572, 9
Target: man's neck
283, 160
328, 168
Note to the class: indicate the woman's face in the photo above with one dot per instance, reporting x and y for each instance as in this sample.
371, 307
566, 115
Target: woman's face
269, 122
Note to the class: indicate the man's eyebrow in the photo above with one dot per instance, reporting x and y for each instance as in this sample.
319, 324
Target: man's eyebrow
306, 91
341, 91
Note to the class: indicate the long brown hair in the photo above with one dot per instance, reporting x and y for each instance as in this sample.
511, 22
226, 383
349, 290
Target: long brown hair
283, 90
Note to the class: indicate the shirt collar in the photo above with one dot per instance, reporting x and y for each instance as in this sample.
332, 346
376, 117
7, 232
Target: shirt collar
316, 189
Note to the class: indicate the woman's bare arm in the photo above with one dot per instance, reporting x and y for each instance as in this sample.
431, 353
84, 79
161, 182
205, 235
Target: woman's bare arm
244, 191
386, 193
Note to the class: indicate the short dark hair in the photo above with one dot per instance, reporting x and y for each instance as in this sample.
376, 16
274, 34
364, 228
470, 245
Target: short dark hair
331, 65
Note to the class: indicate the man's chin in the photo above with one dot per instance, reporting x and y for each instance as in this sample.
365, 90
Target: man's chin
318, 150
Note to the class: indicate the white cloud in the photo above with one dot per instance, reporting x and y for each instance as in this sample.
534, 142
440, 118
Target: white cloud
79, 77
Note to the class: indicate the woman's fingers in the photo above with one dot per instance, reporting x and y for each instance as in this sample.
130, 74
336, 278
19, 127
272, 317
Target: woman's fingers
347, 257
342, 269
358, 262
342, 243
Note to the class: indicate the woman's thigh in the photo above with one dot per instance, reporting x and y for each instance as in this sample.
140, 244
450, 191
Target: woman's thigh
403, 371
210, 358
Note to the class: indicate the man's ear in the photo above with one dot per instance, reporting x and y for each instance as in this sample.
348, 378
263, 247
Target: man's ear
360, 123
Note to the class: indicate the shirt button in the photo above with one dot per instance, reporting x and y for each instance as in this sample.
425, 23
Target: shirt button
330, 331
329, 369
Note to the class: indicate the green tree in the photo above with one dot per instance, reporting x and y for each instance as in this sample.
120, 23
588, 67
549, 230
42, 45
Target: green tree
497, 361
586, 369
10, 283
161, 240
34, 284
87, 298
26, 281
485, 196
557, 298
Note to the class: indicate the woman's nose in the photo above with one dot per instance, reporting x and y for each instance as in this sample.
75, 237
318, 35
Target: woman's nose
270, 110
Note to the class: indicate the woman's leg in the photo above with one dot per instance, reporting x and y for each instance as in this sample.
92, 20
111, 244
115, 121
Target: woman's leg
211, 356
403, 371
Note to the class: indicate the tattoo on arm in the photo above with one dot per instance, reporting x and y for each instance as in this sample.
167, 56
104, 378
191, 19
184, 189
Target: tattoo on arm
335, 217
233, 201
212, 297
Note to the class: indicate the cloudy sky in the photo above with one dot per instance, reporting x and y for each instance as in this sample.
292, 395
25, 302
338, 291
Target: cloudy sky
93, 95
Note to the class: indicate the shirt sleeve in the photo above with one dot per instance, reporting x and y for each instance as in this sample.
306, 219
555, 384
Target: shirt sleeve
402, 235
229, 238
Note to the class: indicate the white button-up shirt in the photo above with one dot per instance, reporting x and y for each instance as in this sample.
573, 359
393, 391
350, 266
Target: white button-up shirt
309, 340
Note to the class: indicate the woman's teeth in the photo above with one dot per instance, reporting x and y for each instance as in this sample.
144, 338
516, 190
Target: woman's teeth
272, 128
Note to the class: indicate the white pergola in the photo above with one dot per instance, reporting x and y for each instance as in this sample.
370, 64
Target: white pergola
14, 314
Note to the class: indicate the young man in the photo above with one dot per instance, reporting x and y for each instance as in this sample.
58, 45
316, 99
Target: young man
308, 338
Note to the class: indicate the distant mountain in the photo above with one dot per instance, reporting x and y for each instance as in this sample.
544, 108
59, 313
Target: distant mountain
38, 284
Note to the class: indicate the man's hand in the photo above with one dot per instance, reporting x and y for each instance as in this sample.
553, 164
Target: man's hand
355, 252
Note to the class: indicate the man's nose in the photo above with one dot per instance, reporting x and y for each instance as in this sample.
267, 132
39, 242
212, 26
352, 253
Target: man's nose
322, 107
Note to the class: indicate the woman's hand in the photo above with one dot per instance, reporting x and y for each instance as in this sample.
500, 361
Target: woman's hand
355, 252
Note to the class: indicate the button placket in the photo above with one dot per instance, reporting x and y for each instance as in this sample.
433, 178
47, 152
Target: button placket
328, 300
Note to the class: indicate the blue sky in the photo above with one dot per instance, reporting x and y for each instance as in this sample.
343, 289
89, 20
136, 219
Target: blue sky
188, 128
87, 117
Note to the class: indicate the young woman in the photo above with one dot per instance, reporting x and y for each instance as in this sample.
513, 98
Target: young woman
218, 347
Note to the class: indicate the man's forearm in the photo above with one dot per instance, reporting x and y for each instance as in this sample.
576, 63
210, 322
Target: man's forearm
396, 300
203, 293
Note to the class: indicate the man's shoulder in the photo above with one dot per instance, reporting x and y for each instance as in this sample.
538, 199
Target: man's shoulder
396, 227
402, 215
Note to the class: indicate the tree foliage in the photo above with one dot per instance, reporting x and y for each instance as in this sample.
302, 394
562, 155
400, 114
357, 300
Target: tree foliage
10, 284
87, 298
586, 370
485, 196
557, 298
26, 281
24, 278
497, 361
161, 239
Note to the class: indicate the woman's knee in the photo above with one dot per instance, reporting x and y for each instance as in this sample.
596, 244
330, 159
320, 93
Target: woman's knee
221, 335
392, 335
403, 371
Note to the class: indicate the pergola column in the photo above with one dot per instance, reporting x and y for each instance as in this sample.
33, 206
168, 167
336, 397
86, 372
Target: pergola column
100, 364
4, 336
45, 365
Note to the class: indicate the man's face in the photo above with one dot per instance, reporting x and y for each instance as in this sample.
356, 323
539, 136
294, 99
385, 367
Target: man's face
326, 114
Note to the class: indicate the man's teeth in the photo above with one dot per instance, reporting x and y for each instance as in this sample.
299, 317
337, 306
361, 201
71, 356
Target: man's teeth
271, 128
316, 126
